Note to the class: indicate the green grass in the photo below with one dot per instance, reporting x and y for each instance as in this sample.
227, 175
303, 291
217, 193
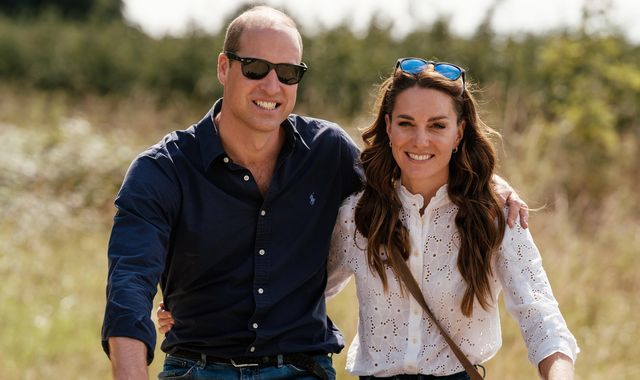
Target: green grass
62, 162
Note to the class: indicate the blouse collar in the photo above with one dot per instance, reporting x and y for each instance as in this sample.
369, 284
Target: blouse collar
416, 201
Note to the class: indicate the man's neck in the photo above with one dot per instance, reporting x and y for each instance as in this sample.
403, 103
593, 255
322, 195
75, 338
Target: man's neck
258, 152
250, 148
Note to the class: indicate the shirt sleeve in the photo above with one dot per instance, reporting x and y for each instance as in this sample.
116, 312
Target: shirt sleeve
352, 173
339, 272
146, 207
529, 298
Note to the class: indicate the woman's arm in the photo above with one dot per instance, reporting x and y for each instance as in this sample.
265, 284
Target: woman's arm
165, 319
530, 300
338, 271
557, 366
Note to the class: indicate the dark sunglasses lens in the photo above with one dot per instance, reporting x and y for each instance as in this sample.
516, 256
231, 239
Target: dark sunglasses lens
289, 74
255, 70
448, 71
412, 66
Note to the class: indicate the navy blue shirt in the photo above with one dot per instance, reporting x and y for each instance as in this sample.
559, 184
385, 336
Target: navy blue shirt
242, 275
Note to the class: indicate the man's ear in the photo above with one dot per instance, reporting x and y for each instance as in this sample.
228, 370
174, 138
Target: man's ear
223, 68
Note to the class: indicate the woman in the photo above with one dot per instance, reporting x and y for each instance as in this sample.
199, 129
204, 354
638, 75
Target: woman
428, 200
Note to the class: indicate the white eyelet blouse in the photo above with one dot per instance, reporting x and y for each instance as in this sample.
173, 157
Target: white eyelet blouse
395, 336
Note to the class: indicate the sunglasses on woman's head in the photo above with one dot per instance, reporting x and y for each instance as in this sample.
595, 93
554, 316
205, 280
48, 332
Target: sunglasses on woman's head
256, 68
416, 65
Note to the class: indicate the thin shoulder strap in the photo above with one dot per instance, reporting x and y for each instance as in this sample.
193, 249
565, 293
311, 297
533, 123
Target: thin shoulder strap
410, 282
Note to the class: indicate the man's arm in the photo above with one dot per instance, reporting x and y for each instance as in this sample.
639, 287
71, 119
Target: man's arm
517, 207
146, 207
128, 358
557, 366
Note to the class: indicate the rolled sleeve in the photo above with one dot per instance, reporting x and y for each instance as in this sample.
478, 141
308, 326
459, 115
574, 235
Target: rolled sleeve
350, 166
146, 206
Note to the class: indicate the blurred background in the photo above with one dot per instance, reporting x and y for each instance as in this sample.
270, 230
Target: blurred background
87, 84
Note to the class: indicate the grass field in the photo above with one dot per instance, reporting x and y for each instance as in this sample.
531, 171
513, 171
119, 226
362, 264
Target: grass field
62, 162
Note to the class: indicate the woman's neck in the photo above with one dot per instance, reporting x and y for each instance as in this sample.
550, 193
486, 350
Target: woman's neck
426, 188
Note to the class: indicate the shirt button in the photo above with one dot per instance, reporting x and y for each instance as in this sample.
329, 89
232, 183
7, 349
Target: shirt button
226, 160
252, 349
260, 290
246, 178
255, 325
263, 213
261, 252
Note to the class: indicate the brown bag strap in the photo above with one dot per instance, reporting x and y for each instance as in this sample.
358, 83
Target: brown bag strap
410, 282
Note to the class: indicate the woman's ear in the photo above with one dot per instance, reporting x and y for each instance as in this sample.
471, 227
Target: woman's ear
461, 126
387, 121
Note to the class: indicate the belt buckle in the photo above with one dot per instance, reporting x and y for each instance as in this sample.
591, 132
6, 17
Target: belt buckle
233, 363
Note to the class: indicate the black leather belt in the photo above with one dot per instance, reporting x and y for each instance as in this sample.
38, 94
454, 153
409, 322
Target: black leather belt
300, 360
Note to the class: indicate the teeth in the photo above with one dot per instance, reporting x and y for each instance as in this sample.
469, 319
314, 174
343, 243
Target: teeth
420, 157
266, 105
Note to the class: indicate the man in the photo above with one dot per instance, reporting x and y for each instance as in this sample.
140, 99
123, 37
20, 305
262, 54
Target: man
233, 217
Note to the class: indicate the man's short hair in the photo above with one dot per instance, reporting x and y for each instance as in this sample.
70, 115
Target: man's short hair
257, 16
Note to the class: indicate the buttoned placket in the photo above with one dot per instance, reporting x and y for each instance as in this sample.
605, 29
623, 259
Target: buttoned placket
415, 226
262, 259
260, 274
261, 267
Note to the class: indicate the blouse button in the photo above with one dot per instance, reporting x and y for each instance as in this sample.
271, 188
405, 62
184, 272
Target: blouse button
263, 213
246, 178
226, 160
252, 349
260, 290
261, 252
255, 325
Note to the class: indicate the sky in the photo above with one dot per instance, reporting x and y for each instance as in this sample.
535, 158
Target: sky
161, 17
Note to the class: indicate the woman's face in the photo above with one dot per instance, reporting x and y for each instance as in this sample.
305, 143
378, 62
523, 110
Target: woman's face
423, 130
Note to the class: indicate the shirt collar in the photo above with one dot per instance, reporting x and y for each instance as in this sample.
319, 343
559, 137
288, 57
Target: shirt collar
211, 148
416, 201
207, 136
294, 137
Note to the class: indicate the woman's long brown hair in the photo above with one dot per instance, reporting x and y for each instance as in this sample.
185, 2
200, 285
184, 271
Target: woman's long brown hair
480, 221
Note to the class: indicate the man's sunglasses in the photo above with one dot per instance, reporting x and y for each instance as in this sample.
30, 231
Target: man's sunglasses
416, 65
256, 68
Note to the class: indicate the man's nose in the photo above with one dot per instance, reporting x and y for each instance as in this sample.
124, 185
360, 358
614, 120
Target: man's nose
270, 83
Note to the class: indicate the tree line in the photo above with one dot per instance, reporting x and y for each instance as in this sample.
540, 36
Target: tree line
573, 92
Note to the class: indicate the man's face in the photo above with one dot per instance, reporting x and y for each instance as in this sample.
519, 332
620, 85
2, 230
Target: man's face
259, 105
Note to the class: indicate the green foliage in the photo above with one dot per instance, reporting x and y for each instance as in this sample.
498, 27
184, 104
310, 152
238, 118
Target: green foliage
343, 69
185, 66
68, 9
101, 58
